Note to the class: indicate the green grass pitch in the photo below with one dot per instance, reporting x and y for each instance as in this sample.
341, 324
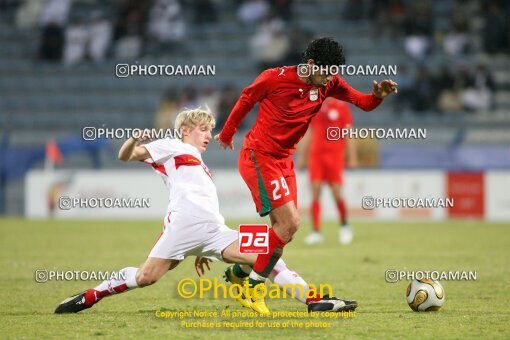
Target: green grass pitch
472, 308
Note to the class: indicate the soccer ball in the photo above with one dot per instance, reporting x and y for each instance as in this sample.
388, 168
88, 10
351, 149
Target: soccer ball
425, 295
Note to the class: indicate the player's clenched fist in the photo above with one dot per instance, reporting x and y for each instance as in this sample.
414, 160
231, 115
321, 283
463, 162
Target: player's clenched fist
384, 88
224, 145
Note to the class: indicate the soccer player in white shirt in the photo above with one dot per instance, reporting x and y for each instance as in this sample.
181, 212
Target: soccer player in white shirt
193, 224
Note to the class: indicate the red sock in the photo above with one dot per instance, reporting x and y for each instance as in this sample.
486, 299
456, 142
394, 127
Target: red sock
342, 211
266, 262
316, 215
312, 296
92, 296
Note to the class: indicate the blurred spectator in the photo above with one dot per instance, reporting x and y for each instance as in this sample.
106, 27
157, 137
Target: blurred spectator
131, 18
479, 92
228, 100
168, 106
422, 97
269, 46
52, 43
253, 11
282, 9
456, 41
166, 23
129, 47
53, 19
204, 11
445, 95
418, 28
100, 36
28, 13
56, 12
91, 39
75, 43
496, 29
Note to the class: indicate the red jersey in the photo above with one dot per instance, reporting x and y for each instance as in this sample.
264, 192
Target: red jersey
333, 114
287, 105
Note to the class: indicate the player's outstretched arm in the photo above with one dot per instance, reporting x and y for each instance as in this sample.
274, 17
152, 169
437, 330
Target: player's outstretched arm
384, 88
367, 102
131, 151
250, 95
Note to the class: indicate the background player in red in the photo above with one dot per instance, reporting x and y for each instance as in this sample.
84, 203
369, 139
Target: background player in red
289, 98
322, 150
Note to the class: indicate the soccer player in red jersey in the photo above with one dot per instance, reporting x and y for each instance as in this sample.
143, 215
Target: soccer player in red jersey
322, 151
287, 103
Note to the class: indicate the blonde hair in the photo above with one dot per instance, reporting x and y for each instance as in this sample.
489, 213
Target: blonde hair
195, 117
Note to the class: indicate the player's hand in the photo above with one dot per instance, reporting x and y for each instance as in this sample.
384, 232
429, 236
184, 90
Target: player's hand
199, 265
224, 145
146, 135
384, 88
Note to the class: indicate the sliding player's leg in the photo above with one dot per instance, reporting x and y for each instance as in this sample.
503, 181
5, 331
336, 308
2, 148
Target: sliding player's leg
315, 237
165, 255
125, 280
345, 234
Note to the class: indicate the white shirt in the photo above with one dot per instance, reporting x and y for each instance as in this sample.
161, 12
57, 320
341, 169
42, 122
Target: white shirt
189, 181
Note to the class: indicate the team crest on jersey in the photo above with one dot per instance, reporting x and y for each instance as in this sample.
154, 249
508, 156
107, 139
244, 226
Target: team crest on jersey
333, 114
314, 95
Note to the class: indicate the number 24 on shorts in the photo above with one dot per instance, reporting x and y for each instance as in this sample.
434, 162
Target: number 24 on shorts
276, 188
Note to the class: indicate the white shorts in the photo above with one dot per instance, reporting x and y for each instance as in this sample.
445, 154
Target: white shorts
187, 235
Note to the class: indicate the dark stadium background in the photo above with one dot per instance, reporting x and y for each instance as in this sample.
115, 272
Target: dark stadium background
47, 95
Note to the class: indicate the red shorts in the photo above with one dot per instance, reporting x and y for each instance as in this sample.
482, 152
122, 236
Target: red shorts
272, 181
325, 168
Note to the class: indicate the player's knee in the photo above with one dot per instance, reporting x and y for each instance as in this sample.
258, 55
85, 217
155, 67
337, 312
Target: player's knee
145, 278
293, 225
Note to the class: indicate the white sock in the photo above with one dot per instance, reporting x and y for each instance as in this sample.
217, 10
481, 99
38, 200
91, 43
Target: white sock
124, 280
282, 275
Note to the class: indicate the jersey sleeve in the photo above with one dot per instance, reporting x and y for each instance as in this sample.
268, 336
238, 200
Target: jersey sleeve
343, 91
250, 95
161, 150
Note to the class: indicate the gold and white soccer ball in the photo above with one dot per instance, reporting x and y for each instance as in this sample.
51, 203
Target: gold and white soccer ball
425, 295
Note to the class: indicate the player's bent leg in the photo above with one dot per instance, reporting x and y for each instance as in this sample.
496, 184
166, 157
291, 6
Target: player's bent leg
285, 221
126, 279
153, 269
231, 254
